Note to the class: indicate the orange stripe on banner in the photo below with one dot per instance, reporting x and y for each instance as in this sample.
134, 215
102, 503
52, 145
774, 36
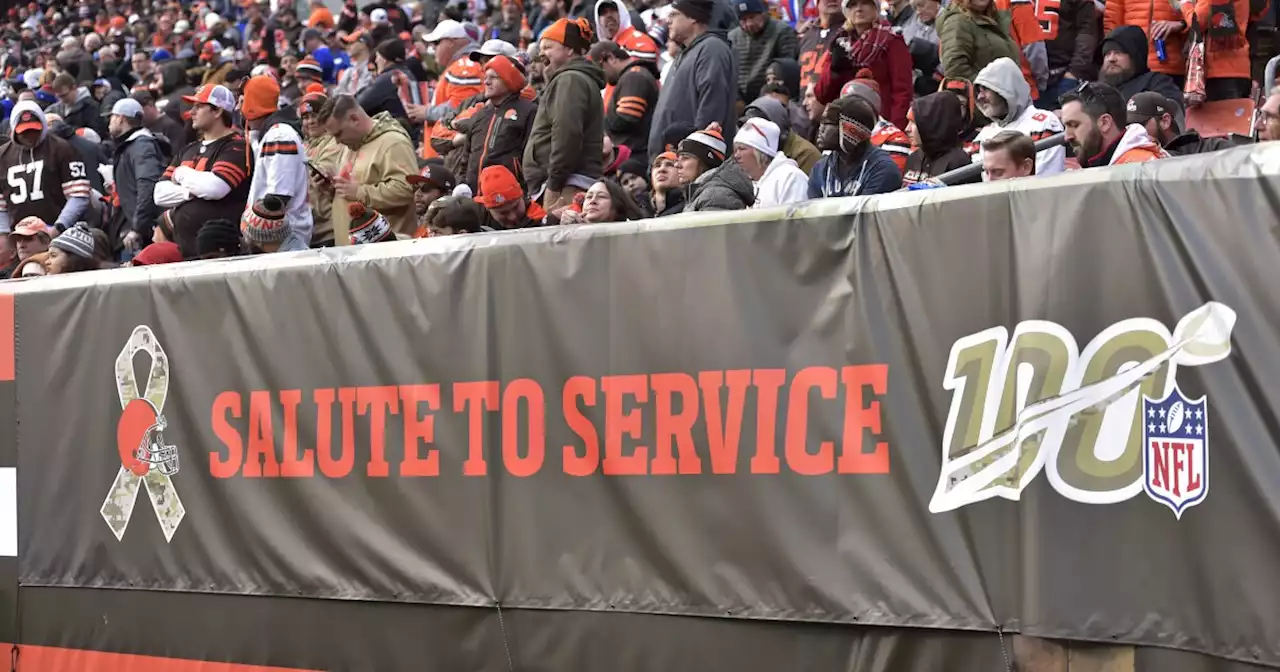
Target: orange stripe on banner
55, 659
6, 338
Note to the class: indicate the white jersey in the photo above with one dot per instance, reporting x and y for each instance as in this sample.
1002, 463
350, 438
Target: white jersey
280, 167
1038, 125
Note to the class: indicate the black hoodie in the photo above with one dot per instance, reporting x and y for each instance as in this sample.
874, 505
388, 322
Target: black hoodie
1132, 41
939, 119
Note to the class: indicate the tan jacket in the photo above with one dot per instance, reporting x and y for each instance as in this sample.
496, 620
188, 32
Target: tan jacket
381, 167
326, 155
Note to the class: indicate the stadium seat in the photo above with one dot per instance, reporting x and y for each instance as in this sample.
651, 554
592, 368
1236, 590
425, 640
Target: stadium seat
1222, 117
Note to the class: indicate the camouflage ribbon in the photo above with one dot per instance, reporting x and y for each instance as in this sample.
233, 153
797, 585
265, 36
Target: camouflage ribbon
118, 507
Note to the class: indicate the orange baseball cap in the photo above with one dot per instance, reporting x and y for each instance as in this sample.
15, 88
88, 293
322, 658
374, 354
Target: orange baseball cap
28, 121
498, 186
216, 95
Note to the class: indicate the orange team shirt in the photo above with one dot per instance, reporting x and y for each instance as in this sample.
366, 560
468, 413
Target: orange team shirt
1025, 30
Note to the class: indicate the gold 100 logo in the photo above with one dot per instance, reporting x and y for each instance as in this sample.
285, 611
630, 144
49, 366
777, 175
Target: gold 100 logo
1033, 400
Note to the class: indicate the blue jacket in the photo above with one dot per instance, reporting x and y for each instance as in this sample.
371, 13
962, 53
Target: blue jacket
325, 59
875, 174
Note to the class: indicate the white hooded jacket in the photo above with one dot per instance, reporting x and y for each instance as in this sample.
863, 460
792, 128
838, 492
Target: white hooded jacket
1004, 77
782, 183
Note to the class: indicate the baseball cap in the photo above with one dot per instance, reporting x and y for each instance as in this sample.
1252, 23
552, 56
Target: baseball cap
447, 29
27, 120
127, 107
1146, 105
101, 82
216, 95
437, 176
493, 48
379, 17
31, 226
160, 55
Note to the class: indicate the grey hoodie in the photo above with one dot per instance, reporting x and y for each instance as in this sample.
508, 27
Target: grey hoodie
725, 188
1004, 77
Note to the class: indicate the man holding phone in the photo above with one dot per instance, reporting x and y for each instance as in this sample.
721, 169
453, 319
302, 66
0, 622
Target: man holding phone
323, 157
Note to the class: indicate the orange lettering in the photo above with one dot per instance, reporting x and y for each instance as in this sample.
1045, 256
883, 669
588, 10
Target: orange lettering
531, 393
226, 404
484, 394
261, 461
584, 464
618, 424
724, 430
377, 402
859, 419
799, 458
291, 466
677, 426
767, 382
419, 429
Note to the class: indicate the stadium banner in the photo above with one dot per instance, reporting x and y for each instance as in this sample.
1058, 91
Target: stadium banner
1033, 407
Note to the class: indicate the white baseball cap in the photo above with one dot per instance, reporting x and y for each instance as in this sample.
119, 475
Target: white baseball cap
495, 48
379, 17
447, 29
127, 107
182, 26
759, 134
216, 95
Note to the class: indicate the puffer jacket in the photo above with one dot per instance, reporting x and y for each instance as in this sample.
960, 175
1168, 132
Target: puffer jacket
567, 137
940, 120
1142, 13
724, 188
970, 41
1222, 60
381, 166
754, 53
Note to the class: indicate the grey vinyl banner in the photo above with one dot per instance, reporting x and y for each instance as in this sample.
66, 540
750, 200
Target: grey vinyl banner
1047, 408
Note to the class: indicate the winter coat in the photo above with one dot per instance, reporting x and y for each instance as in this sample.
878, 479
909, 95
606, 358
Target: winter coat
701, 88
1134, 43
140, 160
1135, 146
567, 136
383, 95
1229, 61
90, 152
1190, 142
83, 113
970, 41
381, 166
892, 71
496, 135
673, 205
1143, 13
726, 187
940, 120
754, 53
782, 183
1071, 45
326, 154
875, 173
173, 86
169, 128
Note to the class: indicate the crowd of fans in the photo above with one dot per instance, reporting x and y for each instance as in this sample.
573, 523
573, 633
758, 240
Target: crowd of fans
145, 131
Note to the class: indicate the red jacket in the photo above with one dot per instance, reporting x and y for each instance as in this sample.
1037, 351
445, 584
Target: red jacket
892, 72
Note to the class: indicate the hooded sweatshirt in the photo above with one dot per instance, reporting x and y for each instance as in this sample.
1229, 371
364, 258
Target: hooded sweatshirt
1133, 42
939, 119
567, 137
48, 180
1135, 146
782, 183
83, 113
726, 187
701, 88
1004, 77
280, 168
381, 166
797, 148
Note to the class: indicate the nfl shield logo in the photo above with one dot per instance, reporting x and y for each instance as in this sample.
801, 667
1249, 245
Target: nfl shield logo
1175, 455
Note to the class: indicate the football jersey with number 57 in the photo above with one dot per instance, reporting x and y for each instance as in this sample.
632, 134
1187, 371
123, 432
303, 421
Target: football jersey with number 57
37, 181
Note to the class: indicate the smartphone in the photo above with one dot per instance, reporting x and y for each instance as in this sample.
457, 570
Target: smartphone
319, 173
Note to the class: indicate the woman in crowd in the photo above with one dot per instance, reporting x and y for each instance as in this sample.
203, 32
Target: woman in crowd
709, 181
867, 42
665, 197
606, 201
778, 179
73, 251
972, 34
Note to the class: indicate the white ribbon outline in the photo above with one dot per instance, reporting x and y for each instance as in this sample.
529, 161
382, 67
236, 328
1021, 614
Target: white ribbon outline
159, 487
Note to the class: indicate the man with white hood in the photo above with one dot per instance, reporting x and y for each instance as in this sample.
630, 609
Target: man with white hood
1004, 97
778, 180
45, 176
